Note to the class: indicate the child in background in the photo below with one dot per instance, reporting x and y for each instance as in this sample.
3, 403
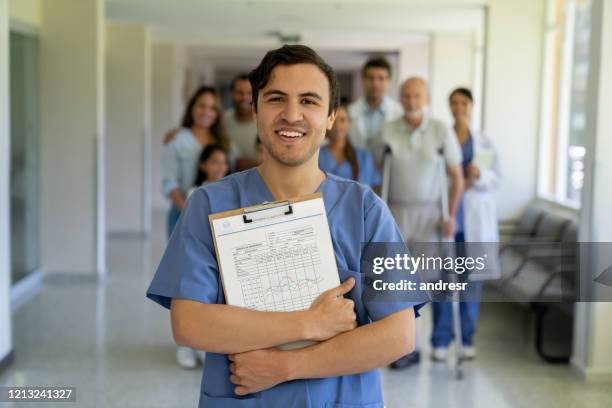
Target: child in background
213, 165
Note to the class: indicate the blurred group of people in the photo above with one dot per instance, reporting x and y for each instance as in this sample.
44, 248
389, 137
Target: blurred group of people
396, 147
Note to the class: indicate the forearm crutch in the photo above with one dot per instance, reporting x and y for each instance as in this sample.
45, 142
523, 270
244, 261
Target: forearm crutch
455, 300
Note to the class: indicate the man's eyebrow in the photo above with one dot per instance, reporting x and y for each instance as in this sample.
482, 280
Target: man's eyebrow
304, 94
274, 92
312, 95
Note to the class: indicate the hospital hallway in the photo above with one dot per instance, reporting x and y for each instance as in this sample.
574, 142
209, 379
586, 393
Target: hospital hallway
115, 346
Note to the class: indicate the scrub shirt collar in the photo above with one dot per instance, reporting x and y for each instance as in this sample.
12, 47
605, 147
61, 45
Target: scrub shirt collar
329, 198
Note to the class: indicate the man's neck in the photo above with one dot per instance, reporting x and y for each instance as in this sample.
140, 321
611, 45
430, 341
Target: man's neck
286, 182
374, 103
243, 117
414, 123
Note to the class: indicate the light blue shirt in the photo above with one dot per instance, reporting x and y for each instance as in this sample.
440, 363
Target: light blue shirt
367, 122
179, 161
368, 174
189, 270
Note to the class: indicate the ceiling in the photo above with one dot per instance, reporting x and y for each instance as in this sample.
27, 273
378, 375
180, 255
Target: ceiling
325, 24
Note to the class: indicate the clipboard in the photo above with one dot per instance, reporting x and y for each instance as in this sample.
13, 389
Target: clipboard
275, 256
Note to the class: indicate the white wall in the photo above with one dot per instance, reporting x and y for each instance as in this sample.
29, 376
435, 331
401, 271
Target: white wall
25, 12
128, 128
5, 253
167, 110
72, 132
453, 66
512, 96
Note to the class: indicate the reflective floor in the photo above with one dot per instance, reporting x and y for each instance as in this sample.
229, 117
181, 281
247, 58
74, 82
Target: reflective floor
116, 348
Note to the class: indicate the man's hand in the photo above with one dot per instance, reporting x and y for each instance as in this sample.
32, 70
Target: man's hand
332, 314
448, 227
257, 370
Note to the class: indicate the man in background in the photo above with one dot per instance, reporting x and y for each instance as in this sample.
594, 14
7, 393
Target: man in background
419, 145
240, 124
375, 108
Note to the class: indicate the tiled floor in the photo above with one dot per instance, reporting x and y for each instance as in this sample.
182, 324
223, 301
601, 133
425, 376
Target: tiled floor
115, 346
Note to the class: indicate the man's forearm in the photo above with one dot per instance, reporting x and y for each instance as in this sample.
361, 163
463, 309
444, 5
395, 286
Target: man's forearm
455, 191
177, 198
364, 348
228, 329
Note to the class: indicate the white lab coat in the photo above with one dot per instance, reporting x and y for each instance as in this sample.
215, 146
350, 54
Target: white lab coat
480, 211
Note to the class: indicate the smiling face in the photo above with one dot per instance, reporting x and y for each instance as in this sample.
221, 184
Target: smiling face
204, 111
461, 107
342, 124
375, 83
414, 98
215, 166
292, 113
241, 96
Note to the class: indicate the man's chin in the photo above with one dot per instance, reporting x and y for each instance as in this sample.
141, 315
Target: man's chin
290, 160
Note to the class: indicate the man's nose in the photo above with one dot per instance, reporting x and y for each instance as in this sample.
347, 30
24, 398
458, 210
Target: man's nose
292, 112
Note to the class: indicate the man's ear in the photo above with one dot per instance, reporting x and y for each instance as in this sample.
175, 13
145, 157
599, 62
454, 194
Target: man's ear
331, 119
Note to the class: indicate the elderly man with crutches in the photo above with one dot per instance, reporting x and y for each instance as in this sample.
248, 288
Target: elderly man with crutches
415, 146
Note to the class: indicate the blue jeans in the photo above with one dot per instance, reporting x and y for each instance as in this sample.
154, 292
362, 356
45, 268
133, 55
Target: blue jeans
443, 315
173, 217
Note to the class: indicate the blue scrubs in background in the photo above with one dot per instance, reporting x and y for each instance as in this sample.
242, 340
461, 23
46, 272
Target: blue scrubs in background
189, 270
442, 333
368, 174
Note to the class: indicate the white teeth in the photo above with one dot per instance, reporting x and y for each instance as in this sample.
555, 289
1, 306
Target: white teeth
288, 133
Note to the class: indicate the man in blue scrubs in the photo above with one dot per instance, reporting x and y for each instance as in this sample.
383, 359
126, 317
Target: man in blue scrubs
295, 96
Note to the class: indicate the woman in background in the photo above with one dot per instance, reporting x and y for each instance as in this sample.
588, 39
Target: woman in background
476, 222
341, 158
201, 126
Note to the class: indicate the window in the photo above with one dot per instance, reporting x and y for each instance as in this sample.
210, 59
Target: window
563, 121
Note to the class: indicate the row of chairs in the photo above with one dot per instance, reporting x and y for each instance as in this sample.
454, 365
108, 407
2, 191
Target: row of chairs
539, 263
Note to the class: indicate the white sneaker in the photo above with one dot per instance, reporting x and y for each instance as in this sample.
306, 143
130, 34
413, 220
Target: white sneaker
186, 358
469, 352
439, 354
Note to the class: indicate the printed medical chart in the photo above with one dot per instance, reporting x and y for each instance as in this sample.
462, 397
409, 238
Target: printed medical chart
276, 263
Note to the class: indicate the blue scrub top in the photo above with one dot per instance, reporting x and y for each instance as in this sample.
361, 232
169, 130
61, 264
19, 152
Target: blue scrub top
189, 270
368, 174
467, 151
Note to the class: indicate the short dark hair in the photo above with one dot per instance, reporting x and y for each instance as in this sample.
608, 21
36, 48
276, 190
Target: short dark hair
376, 62
239, 77
462, 91
292, 55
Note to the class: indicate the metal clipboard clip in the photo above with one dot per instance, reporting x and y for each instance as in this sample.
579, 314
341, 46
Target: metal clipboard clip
266, 211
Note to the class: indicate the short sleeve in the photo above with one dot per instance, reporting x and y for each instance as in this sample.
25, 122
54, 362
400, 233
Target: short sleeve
384, 238
188, 269
452, 148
